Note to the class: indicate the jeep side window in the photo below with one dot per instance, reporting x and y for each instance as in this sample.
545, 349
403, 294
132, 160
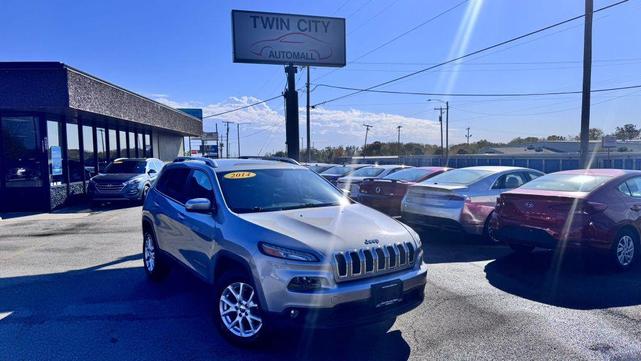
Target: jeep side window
172, 183
200, 186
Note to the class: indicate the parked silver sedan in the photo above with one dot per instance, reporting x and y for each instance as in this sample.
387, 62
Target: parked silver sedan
462, 199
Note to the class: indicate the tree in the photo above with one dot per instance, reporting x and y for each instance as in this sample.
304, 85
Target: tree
522, 141
596, 134
627, 132
555, 138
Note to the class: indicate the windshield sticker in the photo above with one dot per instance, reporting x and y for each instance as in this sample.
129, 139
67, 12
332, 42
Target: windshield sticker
239, 175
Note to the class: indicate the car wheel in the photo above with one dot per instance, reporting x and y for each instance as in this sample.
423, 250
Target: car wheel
156, 266
625, 249
489, 233
237, 310
521, 249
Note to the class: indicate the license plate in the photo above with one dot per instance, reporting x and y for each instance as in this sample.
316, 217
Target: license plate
388, 293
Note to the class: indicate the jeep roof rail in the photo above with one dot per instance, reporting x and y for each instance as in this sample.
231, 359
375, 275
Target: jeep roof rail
277, 159
208, 161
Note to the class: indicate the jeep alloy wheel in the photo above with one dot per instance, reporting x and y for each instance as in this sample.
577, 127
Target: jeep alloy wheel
239, 310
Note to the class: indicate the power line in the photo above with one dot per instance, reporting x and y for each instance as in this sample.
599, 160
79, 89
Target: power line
399, 36
359, 90
470, 54
243, 107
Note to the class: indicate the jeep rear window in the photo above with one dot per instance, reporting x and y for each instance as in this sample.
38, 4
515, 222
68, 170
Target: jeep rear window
265, 190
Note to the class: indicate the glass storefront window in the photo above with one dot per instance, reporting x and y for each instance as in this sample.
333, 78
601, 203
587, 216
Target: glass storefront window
113, 144
148, 151
55, 153
123, 144
101, 148
87, 141
132, 145
73, 153
139, 148
20, 152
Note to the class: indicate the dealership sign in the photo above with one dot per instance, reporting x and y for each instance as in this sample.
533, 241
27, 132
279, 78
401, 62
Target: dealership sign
272, 38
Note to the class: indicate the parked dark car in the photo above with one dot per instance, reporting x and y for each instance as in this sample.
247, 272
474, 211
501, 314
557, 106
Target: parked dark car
127, 179
385, 194
333, 173
319, 167
596, 210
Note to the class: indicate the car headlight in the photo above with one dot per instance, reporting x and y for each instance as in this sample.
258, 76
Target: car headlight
133, 182
286, 253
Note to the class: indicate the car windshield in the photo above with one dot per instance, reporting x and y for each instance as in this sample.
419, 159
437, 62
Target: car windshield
460, 176
264, 190
126, 166
338, 170
567, 182
319, 168
409, 175
368, 172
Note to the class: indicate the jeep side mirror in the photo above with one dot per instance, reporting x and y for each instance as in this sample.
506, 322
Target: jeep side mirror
200, 205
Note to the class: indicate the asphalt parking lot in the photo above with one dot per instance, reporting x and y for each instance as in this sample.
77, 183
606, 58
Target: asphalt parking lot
72, 287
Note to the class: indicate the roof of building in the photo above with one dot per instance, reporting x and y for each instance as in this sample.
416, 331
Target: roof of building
59, 88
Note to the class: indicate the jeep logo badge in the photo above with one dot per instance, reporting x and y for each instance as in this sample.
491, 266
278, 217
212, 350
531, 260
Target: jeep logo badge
371, 241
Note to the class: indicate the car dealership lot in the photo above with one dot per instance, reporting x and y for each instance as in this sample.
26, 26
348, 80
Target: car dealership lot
72, 286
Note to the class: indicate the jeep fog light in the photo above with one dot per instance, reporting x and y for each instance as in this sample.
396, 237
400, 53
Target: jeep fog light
307, 283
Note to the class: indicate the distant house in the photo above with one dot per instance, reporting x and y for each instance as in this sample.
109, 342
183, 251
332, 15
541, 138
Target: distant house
560, 147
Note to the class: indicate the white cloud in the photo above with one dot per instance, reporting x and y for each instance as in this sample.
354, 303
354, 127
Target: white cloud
265, 128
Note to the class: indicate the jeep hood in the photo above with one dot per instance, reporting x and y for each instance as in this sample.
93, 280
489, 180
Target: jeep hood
335, 228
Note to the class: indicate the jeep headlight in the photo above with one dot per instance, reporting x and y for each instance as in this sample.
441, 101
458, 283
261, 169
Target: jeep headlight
287, 253
133, 183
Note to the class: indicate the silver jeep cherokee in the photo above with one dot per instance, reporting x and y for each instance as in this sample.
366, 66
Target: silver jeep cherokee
281, 246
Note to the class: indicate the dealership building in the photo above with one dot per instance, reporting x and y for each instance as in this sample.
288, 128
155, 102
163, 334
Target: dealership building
60, 126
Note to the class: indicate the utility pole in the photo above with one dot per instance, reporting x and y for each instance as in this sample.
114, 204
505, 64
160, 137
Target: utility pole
468, 136
446, 151
218, 153
227, 136
367, 126
309, 153
291, 113
398, 140
587, 77
440, 120
238, 137
447, 133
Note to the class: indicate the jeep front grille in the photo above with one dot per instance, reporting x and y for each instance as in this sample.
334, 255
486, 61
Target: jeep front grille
368, 262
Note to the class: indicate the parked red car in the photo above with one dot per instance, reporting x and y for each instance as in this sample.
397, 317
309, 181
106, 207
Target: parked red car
385, 194
597, 209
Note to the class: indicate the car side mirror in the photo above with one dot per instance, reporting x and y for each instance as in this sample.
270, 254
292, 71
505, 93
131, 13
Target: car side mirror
151, 172
201, 205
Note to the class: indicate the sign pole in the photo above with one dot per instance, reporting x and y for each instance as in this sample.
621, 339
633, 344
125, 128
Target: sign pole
291, 113
309, 154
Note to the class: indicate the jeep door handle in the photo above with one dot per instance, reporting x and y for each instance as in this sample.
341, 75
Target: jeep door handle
636, 207
181, 217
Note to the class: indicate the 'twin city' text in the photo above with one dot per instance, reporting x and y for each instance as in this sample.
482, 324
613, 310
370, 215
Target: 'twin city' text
278, 23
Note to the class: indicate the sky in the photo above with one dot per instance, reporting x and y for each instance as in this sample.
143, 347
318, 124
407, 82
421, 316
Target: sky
180, 53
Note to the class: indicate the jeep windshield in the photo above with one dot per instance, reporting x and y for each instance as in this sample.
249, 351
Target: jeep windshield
266, 190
